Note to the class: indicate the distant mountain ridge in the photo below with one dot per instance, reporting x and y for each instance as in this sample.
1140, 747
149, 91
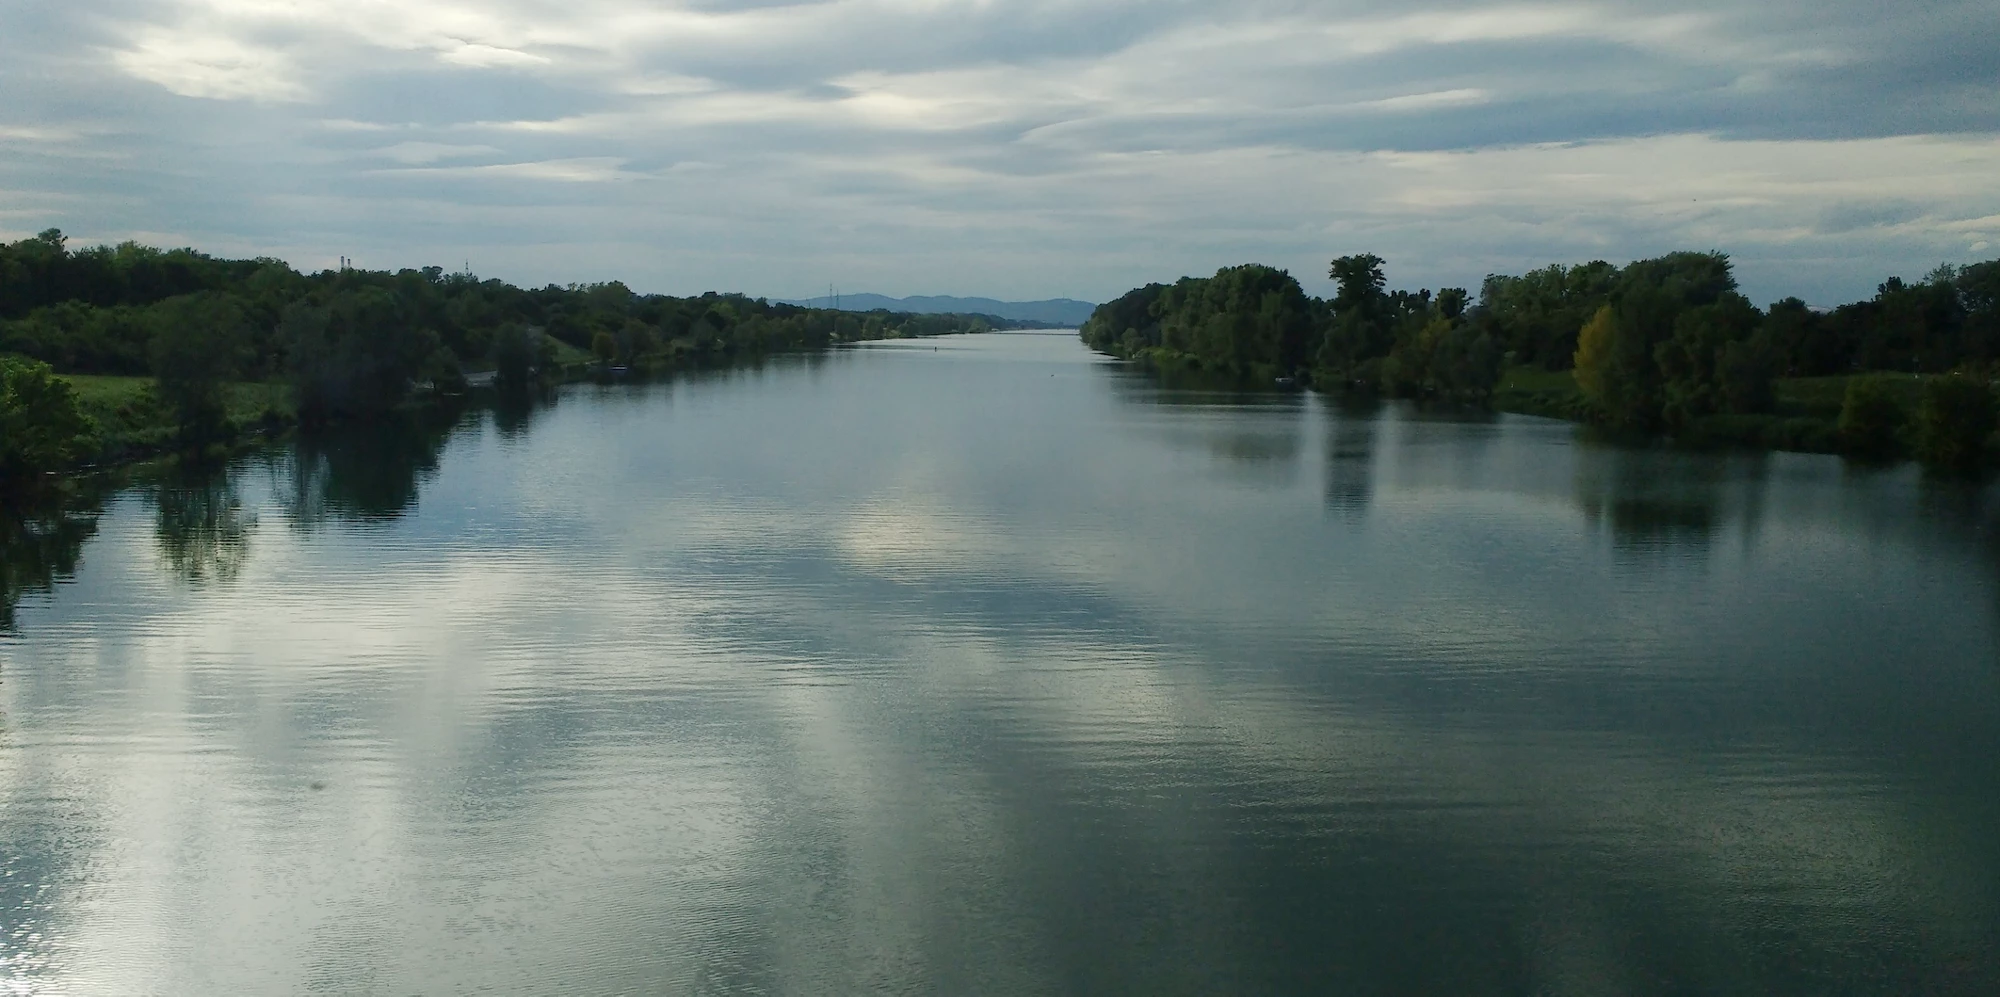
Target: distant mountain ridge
1055, 311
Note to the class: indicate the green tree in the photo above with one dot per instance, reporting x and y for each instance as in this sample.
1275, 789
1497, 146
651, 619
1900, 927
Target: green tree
637, 339
1802, 342
1359, 281
42, 428
1539, 315
199, 345
519, 352
1979, 294
604, 347
1359, 335
1871, 418
1627, 384
1437, 353
1954, 423
356, 355
1127, 326
1711, 365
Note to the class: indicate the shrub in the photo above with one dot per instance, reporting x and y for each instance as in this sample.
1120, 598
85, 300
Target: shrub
41, 426
1871, 419
1955, 419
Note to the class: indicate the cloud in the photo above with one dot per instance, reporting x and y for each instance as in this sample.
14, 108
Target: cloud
218, 67
1011, 147
596, 170
424, 153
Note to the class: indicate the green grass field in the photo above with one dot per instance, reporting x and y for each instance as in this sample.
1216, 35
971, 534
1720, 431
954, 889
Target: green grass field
130, 419
1534, 391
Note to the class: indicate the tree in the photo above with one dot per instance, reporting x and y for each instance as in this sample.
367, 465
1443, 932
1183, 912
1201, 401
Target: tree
604, 347
198, 347
637, 339
519, 352
1592, 362
1126, 326
1955, 422
1244, 319
1712, 364
42, 428
1625, 381
1802, 343
1437, 353
1871, 419
1979, 294
1360, 335
1745, 374
1538, 315
1451, 302
1360, 281
356, 355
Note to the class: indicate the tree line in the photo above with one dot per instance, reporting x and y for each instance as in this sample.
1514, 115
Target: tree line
352, 344
1659, 345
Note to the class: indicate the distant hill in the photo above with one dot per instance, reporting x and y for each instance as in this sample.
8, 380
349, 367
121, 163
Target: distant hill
1066, 312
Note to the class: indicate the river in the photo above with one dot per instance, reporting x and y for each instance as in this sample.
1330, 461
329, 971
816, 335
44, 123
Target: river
985, 665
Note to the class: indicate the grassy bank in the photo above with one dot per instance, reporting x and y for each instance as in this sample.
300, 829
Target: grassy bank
132, 425
131, 422
1534, 391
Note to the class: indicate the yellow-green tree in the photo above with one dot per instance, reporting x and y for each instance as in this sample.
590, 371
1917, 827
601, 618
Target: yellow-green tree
1594, 348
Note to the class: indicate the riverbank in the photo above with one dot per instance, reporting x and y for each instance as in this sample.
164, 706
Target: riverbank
133, 426
1804, 416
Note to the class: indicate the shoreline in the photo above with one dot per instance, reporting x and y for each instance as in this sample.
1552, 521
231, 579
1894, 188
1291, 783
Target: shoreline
1804, 417
134, 434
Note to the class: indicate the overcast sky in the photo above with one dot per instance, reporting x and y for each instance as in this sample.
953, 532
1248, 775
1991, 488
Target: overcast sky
1011, 148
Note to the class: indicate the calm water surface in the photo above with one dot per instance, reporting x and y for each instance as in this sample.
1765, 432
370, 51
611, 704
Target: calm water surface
984, 666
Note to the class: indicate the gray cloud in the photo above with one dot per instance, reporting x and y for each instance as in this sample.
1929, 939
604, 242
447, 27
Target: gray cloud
1009, 147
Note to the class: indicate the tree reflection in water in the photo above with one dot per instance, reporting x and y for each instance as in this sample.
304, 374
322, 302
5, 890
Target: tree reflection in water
202, 529
1350, 455
1655, 501
514, 408
364, 473
41, 544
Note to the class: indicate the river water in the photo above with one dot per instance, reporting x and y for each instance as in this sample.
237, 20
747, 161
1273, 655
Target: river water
984, 665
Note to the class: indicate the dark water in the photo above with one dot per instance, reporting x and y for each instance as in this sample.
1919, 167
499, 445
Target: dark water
997, 669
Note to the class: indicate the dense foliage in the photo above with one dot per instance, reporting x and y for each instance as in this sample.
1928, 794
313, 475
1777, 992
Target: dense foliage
357, 344
40, 425
1665, 344
1257, 320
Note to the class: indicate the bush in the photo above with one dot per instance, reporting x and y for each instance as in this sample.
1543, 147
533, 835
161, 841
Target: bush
1955, 420
41, 426
1871, 419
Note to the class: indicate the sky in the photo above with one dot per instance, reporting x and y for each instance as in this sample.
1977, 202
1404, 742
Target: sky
1011, 148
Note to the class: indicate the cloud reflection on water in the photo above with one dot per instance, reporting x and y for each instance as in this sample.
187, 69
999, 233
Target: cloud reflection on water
735, 697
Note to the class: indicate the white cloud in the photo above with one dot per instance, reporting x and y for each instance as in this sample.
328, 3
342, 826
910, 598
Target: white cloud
597, 170
209, 65
13, 133
1436, 98
425, 153
469, 54
920, 143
